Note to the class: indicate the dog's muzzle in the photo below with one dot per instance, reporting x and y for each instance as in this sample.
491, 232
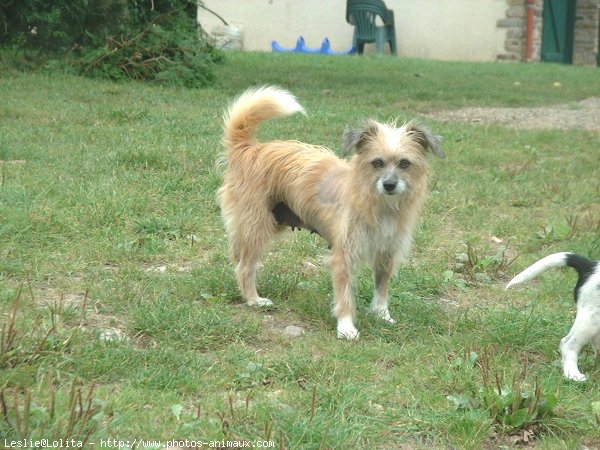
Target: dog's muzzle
391, 186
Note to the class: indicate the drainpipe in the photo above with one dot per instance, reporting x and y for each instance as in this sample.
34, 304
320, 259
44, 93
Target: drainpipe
529, 36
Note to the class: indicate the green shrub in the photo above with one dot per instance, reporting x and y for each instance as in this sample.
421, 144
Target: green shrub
117, 39
55, 27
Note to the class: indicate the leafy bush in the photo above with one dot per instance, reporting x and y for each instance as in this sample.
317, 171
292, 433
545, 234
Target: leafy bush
117, 39
55, 27
167, 49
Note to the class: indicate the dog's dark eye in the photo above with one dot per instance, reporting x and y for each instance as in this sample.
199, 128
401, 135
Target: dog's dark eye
377, 163
404, 163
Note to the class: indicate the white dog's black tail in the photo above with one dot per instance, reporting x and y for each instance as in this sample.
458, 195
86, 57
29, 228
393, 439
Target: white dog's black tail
584, 267
251, 108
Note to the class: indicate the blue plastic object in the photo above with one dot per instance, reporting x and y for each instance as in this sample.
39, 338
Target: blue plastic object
301, 47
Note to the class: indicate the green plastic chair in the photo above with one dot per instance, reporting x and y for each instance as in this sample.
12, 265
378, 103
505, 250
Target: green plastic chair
363, 15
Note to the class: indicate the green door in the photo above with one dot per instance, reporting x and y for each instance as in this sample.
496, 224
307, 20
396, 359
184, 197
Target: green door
557, 31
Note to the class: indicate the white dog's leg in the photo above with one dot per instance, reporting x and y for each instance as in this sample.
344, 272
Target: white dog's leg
346, 328
261, 301
379, 307
569, 361
582, 332
384, 265
344, 309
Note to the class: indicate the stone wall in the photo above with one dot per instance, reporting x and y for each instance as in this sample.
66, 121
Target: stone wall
516, 28
585, 41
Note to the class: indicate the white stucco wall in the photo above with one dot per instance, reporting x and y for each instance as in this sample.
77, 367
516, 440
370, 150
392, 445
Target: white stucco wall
434, 29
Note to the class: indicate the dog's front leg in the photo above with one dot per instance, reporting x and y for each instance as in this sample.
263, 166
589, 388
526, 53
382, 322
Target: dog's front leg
344, 309
384, 267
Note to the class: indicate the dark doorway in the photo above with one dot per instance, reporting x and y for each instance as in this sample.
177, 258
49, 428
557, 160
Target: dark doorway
557, 31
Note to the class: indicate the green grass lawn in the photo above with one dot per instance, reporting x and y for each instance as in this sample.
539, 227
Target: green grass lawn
119, 309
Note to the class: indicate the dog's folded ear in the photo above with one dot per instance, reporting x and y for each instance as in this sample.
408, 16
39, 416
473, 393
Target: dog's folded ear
358, 137
426, 139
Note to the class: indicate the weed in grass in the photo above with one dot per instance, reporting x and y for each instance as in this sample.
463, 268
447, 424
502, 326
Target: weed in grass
510, 404
254, 374
479, 269
563, 231
44, 413
18, 347
8, 339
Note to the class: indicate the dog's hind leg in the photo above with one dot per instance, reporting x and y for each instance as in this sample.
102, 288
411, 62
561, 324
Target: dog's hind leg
246, 246
582, 332
384, 266
246, 274
344, 309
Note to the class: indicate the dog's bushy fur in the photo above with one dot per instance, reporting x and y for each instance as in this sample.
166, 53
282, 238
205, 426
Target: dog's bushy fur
366, 207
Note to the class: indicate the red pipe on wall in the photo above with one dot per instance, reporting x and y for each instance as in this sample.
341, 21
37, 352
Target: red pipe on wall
529, 37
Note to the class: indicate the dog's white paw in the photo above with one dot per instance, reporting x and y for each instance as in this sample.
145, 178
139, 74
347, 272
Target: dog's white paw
383, 314
349, 334
259, 301
346, 329
575, 376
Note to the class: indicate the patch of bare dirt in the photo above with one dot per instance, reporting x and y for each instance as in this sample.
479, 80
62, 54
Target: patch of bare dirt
86, 315
584, 115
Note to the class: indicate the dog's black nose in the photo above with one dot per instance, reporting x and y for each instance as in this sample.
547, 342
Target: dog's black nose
389, 187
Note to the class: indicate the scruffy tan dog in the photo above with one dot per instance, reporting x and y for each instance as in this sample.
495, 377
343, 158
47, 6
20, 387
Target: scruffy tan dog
366, 207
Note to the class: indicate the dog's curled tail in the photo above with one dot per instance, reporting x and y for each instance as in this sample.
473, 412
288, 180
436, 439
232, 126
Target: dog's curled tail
584, 267
252, 107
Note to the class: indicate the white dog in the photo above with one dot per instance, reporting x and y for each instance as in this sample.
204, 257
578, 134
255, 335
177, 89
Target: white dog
586, 327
